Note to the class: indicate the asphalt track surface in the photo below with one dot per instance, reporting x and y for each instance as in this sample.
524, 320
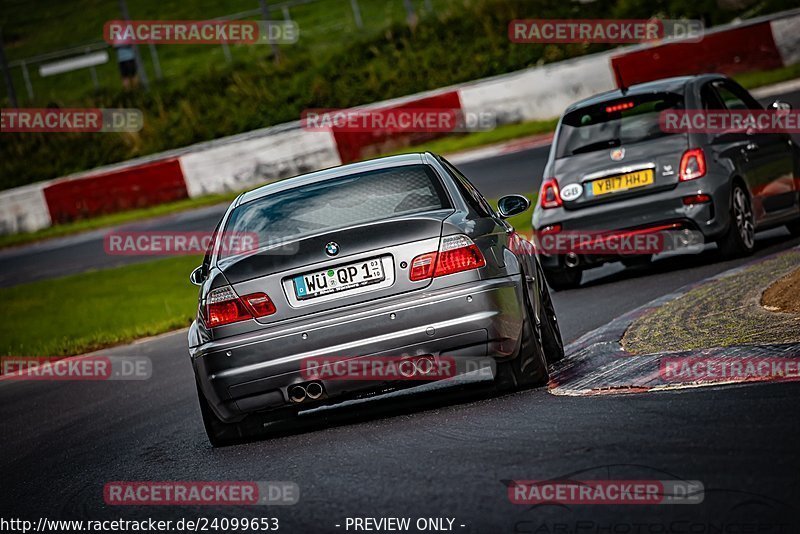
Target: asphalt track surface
441, 452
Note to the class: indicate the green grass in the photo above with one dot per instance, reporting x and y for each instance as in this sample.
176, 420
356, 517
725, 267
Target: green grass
113, 219
755, 79
89, 311
719, 313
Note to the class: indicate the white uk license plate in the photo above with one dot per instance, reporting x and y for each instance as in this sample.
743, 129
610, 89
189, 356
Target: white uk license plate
339, 279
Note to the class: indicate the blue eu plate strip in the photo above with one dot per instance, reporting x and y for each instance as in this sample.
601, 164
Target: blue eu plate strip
300, 286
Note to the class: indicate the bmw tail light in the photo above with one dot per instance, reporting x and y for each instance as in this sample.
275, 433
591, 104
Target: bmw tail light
422, 267
223, 307
549, 196
457, 253
693, 164
259, 304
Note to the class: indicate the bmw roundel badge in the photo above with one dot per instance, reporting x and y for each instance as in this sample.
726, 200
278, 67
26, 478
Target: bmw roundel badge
332, 249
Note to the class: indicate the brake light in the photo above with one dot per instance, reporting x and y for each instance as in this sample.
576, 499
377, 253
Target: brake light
619, 107
549, 195
223, 307
693, 164
457, 253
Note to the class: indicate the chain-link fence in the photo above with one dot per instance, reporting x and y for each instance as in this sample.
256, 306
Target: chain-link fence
76, 72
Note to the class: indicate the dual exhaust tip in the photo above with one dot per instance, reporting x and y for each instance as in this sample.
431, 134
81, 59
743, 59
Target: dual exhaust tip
417, 366
409, 368
303, 392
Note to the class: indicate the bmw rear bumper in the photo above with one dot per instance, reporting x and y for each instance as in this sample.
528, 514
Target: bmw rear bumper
472, 322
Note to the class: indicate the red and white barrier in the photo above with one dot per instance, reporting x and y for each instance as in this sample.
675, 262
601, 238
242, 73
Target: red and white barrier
250, 159
23, 209
735, 49
541, 93
235, 166
354, 146
786, 34
130, 187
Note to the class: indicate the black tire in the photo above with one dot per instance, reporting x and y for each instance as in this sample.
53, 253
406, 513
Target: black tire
794, 228
529, 368
221, 433
552, 343
560, 280
739, 240
637, 260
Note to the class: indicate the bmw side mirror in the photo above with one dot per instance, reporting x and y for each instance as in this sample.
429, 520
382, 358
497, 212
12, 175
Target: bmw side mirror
781, 108
198, 276
512, 205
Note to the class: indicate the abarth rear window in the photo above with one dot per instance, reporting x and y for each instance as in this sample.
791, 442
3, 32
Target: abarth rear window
618, 122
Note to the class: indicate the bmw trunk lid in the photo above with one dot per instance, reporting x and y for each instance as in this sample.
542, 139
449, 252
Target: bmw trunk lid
340, 268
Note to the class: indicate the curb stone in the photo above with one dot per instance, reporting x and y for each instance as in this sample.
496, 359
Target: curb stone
596, 363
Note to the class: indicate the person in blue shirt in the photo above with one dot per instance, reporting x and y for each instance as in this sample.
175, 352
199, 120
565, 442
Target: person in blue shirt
126, 58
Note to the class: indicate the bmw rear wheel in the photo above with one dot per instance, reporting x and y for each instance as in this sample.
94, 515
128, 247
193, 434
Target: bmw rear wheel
529, 367
221, 433
552, 343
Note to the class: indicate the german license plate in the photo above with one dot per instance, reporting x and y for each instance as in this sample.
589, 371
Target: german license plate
623, 182
339, 279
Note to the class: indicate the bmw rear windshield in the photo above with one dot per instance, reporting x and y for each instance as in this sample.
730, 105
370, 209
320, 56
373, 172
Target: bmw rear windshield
329, 205
613, 123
